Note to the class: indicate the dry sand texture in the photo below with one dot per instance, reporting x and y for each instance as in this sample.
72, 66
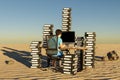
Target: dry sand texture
19, 69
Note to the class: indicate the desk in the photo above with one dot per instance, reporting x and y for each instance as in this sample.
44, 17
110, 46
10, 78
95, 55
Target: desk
74, 48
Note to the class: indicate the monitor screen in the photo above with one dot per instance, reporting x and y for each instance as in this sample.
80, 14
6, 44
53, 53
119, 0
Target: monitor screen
68, 36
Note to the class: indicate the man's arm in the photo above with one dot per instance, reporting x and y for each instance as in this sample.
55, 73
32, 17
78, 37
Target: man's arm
60, 42
62, 46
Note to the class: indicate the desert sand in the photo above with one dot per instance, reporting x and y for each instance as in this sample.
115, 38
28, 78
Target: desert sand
19, 69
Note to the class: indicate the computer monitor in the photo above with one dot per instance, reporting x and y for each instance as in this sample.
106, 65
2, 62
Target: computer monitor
68, 37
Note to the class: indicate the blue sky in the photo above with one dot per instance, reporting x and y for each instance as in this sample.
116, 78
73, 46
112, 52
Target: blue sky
21, 21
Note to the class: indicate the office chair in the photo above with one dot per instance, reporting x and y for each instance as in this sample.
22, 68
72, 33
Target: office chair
51, 51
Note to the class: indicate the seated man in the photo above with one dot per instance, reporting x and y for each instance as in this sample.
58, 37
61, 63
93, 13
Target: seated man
59, 44
54, 45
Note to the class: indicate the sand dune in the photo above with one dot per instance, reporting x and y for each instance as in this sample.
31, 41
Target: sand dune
19, 69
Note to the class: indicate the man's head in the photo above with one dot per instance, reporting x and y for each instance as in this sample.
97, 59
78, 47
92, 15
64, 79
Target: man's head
58, 32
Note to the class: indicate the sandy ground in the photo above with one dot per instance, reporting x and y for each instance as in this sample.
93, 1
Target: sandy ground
19, 70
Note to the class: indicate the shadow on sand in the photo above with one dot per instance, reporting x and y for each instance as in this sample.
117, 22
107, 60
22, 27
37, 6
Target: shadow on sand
23, 57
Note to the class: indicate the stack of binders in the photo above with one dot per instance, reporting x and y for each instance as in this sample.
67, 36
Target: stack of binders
90, 39
36, 53
70, 64
47, 31
79, 43
66, 19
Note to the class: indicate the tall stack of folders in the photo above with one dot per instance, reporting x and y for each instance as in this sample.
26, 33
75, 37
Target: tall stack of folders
47, 31
66, 19
70, 64
36, 53
90, 38
79, 43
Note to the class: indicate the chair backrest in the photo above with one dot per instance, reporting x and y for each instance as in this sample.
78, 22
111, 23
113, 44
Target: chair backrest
52, 42
52, 47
